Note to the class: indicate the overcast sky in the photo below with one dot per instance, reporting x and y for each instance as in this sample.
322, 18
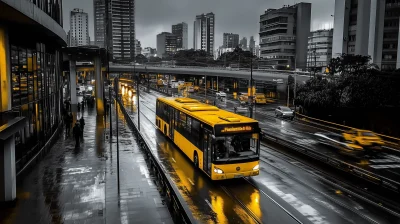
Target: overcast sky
231, 16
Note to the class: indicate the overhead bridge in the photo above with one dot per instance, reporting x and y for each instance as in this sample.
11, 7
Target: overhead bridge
261, 75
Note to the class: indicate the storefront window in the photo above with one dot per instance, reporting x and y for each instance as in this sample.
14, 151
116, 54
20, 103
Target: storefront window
35, 92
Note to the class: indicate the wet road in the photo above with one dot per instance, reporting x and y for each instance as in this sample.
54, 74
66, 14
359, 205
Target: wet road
383, 164
283, 189
79, 185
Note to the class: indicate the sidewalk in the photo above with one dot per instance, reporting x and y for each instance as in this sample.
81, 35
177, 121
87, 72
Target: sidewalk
79, 185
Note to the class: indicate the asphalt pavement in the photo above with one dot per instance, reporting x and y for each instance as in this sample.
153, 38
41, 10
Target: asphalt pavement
283, 192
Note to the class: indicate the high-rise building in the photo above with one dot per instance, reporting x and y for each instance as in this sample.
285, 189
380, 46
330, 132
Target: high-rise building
99, 9
252, 43
122, 33
166, 44
230, 40
368, 27
243, 43
319, 49
79, 28
256, 51
121, 25
181, 32
284, 35
138, 47
149, 52
204, 28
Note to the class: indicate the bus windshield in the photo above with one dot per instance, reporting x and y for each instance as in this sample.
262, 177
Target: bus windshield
236, 147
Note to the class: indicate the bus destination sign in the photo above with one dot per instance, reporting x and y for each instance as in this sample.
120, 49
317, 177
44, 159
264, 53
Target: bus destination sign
234, 129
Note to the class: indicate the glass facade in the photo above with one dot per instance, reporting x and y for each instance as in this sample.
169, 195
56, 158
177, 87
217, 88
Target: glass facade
53, 8
35, 93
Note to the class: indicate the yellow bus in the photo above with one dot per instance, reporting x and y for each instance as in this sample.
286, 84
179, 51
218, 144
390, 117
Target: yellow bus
222, 144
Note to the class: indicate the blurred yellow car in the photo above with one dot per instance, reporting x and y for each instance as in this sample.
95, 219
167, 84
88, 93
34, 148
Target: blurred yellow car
364, 138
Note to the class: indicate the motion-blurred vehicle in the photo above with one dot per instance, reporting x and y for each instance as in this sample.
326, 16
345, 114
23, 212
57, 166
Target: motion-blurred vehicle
221, 95
196, 88
284, 112
191, 89
260, 98
338, 142
364, 138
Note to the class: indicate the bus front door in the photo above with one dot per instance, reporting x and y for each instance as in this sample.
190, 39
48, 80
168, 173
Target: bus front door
207, 152
171, 123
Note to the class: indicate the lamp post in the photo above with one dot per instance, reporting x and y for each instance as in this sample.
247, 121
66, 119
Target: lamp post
251, 89
138, 99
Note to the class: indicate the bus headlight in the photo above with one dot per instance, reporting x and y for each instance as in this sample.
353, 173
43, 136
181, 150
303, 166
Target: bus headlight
256, 167
219, 171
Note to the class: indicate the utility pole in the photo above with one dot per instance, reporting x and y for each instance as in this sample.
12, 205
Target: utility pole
205, 87
251, 88
116, 126
138, 98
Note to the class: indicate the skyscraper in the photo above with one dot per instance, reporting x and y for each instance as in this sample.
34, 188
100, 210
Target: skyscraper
122, 30
99, 22
284, 35
368, 27
252, 43
203, 36
230, 40
121, 37
138, 47
243, 43
166, 44
79, 28
181, 32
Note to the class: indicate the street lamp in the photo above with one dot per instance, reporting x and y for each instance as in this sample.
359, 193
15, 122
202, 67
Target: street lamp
251, 89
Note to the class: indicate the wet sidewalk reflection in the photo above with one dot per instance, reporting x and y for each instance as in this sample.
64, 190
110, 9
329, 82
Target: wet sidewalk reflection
78, 185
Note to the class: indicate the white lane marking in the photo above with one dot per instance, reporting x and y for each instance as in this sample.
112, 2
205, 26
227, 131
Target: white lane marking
208, 203
190, 181
385, 166
309, 212
173, 159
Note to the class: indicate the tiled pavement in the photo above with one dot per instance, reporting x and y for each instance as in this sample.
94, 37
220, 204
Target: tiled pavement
80, 185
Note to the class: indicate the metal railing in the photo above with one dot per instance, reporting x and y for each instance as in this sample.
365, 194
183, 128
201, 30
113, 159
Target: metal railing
339, 164
175, 202
223, 68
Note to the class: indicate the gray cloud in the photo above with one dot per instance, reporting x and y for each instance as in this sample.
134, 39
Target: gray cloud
233, 16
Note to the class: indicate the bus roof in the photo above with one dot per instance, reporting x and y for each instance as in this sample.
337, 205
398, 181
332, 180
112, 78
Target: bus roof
208, 114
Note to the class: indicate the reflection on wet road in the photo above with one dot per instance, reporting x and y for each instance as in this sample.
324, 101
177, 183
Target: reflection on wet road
383, 164
281, 190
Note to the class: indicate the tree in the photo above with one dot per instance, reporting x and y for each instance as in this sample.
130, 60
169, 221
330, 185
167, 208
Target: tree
140, 58
352, 83
154, 59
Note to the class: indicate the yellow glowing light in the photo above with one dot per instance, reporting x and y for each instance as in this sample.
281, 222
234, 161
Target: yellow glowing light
4, 79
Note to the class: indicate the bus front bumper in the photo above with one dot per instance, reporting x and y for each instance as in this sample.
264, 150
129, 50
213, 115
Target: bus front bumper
225, 176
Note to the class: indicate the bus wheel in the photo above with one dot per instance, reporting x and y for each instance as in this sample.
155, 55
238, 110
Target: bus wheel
196, 160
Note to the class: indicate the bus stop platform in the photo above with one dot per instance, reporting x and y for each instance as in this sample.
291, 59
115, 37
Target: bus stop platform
79, 185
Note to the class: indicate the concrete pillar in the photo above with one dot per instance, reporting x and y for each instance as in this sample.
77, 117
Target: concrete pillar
341, 24
379, 6
7, 175
72, 90
98, 86
398, 50
363, 21
5, 71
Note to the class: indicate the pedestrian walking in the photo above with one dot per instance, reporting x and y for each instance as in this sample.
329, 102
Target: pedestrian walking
68, 121
79, 107
82, 125
83, 105
77, 134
